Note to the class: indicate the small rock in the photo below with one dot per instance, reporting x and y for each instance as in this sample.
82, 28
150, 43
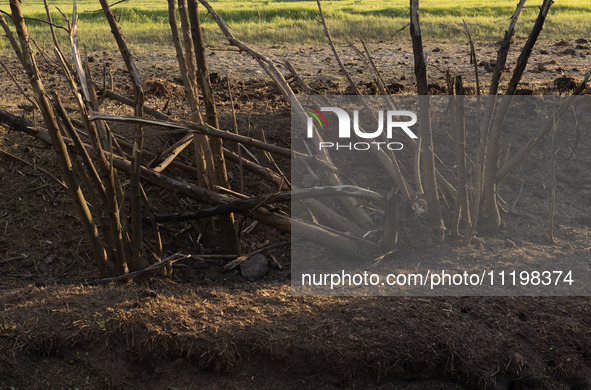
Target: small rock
581, 40
544, 52
436, 50
254, 268
568, 52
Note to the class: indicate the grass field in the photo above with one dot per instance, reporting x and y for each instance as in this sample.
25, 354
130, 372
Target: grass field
145, 23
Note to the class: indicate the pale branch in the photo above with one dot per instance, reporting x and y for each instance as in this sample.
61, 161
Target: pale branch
298, 78
473, 59
244, 205
185, 126
171, 153
342, 67
401, 29
129, 102
152, 267
378, 75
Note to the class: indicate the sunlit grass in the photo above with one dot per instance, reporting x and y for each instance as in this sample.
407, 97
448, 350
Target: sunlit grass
145, 23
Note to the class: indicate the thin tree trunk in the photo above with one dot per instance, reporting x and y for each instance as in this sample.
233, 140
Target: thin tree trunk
63, 157
528, 47
200, 142
187, 42
137, 261
230, 242
462, 209
498, 70
427, 153
491, 213
553, 152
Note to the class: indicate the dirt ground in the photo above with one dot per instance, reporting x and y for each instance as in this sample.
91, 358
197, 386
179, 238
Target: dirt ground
206, 329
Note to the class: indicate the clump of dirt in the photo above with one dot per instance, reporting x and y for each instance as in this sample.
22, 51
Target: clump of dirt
436, 89
163, 88
568, 52
395, 88
564, 84
325, 86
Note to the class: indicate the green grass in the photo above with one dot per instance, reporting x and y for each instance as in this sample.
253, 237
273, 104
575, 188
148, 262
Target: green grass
145, 23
